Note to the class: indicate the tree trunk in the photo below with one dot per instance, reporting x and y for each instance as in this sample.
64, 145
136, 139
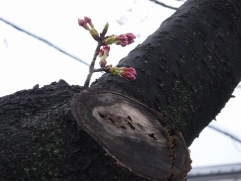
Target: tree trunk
135, 130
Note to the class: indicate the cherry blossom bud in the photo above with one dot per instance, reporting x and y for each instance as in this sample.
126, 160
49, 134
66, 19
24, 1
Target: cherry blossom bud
106, 49
83, 24
101, 52
130, 69
122, 37
122, 43
125, 39
130, 37
130, 42
128, 75
88, 20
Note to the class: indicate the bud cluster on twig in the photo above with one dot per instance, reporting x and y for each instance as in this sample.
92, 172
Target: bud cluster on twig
103, 49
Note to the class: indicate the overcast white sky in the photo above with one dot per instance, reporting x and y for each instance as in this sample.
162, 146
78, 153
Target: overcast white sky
25, 61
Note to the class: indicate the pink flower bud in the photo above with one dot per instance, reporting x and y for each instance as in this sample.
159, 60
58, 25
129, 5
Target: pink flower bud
130, 69
83, 24
128, 75
122, 37
106, 49
130, 38
124, 40
101, 52
122, 43
130, 42
88, 20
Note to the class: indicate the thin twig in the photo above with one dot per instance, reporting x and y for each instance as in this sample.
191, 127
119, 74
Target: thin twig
164, 5
92, 65
100, 69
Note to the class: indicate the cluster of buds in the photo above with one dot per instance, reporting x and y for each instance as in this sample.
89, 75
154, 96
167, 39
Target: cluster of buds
103, 50
128, 73
103, 54
84, 23
123, 39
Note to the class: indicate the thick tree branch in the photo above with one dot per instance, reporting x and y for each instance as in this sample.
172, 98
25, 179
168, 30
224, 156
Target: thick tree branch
182, 67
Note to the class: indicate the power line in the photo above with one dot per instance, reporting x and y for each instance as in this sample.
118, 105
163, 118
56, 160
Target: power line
44, 41
225, 133
164, 5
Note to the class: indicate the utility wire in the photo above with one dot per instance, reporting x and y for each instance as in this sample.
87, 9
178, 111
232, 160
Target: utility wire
164, 5
44, 41
225, 133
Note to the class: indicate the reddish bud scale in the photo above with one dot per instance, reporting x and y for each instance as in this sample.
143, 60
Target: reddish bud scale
88, 20
128, 73
83, 24
106, 49
130, 69
103, 54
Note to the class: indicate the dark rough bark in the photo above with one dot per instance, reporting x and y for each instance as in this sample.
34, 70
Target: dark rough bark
189, 67
133, 134
41, 140
187, 71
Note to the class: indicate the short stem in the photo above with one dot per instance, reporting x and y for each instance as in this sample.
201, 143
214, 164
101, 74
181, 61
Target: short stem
99, 69
92, 65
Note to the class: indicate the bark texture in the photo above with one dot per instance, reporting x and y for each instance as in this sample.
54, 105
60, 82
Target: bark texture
40, 140
187, 71
133, 134
189, 67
